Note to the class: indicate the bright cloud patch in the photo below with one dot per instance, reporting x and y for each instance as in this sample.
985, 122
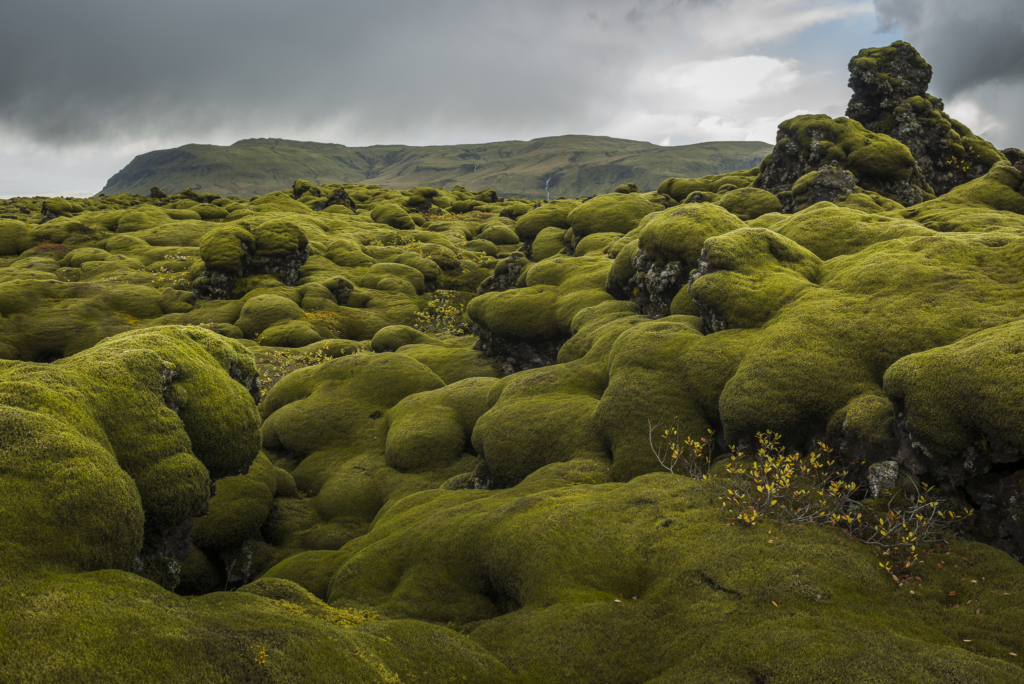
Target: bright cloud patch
717, 84
969, 112
733, 98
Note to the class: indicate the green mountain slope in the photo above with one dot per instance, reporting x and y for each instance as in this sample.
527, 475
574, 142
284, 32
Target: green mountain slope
571, 165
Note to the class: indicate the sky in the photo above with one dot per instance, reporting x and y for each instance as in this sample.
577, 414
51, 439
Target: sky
88, 84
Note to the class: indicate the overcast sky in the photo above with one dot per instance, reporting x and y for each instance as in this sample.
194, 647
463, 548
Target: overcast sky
88, 84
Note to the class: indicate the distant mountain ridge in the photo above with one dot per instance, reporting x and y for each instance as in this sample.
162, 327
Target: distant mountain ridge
570, 165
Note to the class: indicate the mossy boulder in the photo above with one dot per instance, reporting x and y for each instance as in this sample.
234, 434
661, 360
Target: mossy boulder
523, 327
228, 249
499, 234
612, 213
135, 427
889, 96
433, 429
15, 237
391, 214
878, 162
263, 311
275, 249
58, 206
747, 275
828, 184
749, 203
210, 212
681, 188
653, 270
549, 215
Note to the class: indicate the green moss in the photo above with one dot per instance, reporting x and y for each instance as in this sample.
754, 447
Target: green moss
958, 395
679, 234
548, 242
612, 213
394, 277
263, 311
452, 364
278, 238
830, 231
524, 568
432, 429
227, 249
749, 203
499, 234
680, 188
238, 509
82, 626
551, 215
294, 333
119, 454
556, 289
395, 337
882, 159
279, 202
141, 219
596, 243
389, 213
14, 237
344, 386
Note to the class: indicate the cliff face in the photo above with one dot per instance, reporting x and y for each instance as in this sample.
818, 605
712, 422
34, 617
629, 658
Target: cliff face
571, 165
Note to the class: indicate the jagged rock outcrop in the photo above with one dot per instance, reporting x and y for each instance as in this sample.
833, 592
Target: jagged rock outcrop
805, 143
890, 96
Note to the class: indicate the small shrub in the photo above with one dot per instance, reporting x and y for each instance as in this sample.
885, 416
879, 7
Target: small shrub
331, 319
963, 163
54, 250
789, 487
444, 314
691, 457
274, 365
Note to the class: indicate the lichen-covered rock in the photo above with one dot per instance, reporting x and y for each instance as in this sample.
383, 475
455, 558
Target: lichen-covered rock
889, 96
653, 270
523, 327
828, 184
879, 163
882, 78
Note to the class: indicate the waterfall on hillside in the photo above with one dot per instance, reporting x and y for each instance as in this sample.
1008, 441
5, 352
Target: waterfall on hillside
546, 186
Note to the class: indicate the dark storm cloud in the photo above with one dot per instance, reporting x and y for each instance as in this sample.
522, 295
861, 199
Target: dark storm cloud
976, 50
94, 82
79, 71
76, 71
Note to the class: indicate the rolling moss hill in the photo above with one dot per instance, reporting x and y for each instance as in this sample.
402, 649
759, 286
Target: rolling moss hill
570, 165
349, 433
